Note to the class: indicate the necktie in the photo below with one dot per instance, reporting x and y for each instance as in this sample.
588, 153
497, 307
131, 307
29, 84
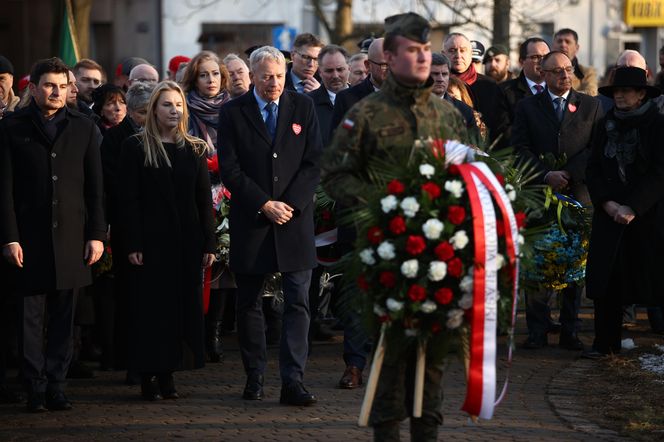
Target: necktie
271, 120
538, 88
559, 107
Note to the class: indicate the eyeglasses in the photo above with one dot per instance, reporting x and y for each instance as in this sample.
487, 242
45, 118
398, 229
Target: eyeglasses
558, 71
144, 80
307, 58
382, 66
535, 57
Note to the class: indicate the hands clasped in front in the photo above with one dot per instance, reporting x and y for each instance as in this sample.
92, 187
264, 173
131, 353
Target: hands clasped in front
277, 211
136, 258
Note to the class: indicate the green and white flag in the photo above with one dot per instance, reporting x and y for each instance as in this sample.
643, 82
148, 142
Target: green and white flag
68, 43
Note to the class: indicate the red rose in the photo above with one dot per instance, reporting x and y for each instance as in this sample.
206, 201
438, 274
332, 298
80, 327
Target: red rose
415, 245
456, 214
213, 164
438, 148
384, 318
375, 235
326, 215
362, 283
432, 190
435, 327
454, 267
453, 169
387, 279
500, 228
444, 296
417, 293
395, 187
444, 251
397, 225
520, 219
501, 179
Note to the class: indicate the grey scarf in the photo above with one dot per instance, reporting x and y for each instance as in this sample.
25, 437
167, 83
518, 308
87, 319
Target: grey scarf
623, 138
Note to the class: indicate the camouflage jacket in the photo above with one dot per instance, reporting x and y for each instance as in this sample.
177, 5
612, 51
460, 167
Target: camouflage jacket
389, 120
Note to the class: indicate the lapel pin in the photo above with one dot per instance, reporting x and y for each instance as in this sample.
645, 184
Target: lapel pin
296, 128
571, 107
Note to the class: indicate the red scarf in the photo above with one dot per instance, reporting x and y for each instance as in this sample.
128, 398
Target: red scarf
469, 77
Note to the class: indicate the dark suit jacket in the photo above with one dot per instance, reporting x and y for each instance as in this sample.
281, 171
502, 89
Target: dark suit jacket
347, 98
537, 131
465, 110
489, 100
515, 90
256, 170
324, 110
289, 80
51, 195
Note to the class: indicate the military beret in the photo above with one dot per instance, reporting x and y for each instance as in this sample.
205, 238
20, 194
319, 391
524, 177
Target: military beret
477, 50
409, 25
493, 51
6, 66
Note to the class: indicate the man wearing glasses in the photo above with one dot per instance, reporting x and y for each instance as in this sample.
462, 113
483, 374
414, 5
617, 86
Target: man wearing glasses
143, 73
531, 79
302, 75
558, 121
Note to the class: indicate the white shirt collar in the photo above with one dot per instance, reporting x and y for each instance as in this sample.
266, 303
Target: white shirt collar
531, 85
262, 103
554, 96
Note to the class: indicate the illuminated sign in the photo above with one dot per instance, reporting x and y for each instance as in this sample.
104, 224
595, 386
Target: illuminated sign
644, 13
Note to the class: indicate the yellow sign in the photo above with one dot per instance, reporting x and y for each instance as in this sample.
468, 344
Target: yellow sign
646, 13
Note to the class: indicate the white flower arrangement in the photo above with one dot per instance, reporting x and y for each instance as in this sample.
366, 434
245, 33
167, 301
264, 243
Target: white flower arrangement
411, 332
410, 206
455, 187
454, 318
459, 240
367, 257
432, 228
386, 250
378, 310
389, 203
511, 192
410, 268
428, 307
393, 305
500, 261
427, 170
466, 284
437, 270
466, 301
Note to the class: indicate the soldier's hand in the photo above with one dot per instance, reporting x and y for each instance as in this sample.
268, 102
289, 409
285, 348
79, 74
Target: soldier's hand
13, 254
310, 84
624, 215
557, 179
277, 211
93, 251
136, 258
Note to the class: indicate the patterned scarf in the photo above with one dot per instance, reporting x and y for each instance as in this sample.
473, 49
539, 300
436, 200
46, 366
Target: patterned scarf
623, 138
203, 116
469, 77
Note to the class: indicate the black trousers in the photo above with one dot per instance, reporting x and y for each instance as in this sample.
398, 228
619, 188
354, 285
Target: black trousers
45, 362
294, 347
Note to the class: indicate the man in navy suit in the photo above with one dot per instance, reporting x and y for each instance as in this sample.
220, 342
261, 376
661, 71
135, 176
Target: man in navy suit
559, 121
269, 149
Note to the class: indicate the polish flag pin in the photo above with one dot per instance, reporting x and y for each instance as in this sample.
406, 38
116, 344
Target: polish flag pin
571, 107
296, 128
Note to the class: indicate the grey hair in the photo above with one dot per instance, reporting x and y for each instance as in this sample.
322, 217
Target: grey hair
234, 57
138, 95
265, 53
359, 56
453, 35
440, 59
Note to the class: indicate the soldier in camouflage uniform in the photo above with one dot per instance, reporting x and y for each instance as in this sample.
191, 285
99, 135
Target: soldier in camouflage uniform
392, 119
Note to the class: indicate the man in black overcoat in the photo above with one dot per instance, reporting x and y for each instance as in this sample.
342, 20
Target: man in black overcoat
269, 148
51, 224
557, 121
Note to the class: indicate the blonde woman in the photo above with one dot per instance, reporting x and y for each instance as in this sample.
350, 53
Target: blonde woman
169, 236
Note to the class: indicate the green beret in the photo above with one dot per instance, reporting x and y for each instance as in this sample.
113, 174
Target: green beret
409, 25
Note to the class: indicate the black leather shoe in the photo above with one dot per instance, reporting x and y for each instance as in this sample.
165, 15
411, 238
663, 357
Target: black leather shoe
57, 401
352, 378
295, 394
535, 341
150, 388
167, 386
570, 342
36, 403
253, 389
593, 354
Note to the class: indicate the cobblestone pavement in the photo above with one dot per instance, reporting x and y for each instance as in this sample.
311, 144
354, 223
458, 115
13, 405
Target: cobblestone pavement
539, 406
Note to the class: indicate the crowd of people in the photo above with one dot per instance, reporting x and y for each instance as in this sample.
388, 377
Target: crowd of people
91, 168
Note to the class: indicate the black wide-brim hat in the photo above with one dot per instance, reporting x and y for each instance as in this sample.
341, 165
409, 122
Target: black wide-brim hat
630, 77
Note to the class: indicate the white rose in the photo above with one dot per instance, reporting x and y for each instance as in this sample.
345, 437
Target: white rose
427, 170
393, 305
466, 301
466, 284
386, 250
454, 318
411, 332
410, 268
511, 192
389, 203
500, 261
455, 187
378, 310
428, 307
410, 206
432, 228
520, 239
367, 257
459, 240
437, 270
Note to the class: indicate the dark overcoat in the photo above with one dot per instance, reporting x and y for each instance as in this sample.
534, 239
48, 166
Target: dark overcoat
51, 197
166, 213
489, 100
633, 253
537, 131
257, 170
515, 90
324, 110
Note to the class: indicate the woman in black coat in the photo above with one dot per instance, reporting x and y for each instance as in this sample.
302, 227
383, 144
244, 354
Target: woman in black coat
625, 177
168, 228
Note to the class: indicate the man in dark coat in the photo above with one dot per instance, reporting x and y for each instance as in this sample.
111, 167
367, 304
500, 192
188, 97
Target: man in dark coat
440, 74
488, 98
302, 73
269, 149
51, 224
377, 68
559, 121
531, 79
334, 73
